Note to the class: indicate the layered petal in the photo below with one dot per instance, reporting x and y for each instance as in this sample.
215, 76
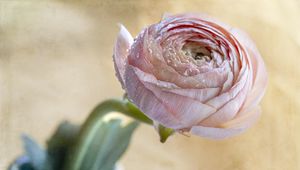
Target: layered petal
121, 50
229, 129
146, 100
185, 109
260, 76
201, 95
229, 110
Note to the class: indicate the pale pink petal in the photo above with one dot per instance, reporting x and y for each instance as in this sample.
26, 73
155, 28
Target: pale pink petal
215, 133
223, 98
229, 110
122, 46
193, 16
229, 129
187, 110
260, 77
142, 52
148, 102
201, 95
244, 119
228, 83
259, 84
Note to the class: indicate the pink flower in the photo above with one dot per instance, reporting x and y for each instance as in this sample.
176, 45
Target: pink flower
194, 74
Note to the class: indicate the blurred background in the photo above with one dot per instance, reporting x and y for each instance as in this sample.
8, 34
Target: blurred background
56, 64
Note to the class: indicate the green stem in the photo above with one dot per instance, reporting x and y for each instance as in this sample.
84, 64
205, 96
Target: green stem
123, 106
77, 153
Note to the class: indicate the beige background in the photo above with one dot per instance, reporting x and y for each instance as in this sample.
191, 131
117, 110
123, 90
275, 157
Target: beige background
55, 64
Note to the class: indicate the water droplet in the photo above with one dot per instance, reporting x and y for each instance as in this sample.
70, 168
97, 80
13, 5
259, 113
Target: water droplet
186, 73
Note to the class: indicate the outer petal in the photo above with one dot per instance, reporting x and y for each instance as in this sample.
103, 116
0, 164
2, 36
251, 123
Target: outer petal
202, 16
259, 84
185, 109
121, 50
229, 129
229, 110
200, 95
260, 77
148, 102
223, 98
215, 133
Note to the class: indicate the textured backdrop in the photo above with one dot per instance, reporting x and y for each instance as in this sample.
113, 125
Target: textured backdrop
55, 64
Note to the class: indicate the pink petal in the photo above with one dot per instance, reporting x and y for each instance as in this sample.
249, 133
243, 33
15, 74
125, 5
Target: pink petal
186, 16
140, 55
148, 102
223, 98
122, 46
259, 84
260, 77
229, 110
230, 128
185, 109
214, 133
195, 94
243, 120
201, 95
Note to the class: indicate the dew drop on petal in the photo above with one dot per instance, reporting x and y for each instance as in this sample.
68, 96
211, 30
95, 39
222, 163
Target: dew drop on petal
186, 73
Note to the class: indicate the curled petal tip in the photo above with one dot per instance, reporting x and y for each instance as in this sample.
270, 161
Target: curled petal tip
121, 50
125, 33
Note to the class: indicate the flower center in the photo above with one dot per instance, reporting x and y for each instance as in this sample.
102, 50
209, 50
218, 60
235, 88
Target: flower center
197, 52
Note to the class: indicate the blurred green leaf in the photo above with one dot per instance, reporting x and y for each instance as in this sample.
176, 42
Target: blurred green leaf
21, 163
105, 144
60, 143
96, 145
36, 154
119, 147
36, 158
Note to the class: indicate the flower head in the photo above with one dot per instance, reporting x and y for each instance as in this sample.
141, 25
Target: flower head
192, 73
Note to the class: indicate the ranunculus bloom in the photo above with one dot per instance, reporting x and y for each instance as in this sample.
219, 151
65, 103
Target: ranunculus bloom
192, 73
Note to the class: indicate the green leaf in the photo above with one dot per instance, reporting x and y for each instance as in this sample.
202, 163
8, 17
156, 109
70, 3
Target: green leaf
36, 154
36, 158
21, 163
60, 143
106, 143
120, 146
104, 135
